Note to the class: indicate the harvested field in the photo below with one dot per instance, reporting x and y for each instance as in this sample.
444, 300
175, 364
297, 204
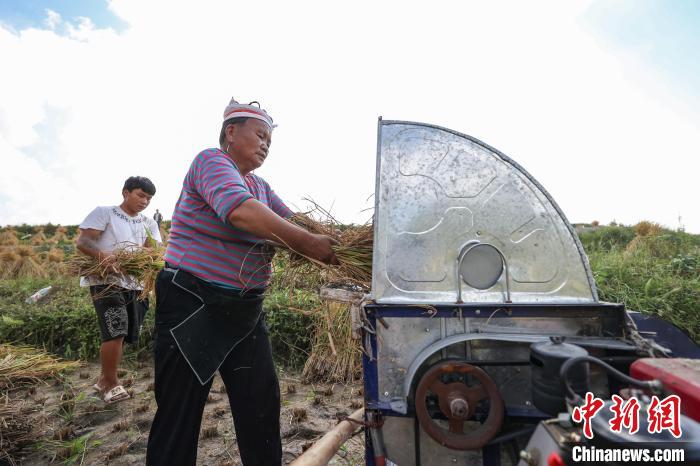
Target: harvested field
71, 420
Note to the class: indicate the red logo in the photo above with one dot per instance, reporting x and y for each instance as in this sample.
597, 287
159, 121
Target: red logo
662, 414
665, 415
587, 412
626, 415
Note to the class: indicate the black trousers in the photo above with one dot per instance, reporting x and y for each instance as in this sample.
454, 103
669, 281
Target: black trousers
251, 384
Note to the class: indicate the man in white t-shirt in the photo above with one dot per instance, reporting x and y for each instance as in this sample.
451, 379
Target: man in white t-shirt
119, 311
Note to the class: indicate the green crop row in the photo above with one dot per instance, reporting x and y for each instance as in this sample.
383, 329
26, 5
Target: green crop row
65, 322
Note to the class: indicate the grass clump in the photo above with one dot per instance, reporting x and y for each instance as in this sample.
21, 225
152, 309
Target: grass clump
656, 271
607, 238
64, 323
73, 451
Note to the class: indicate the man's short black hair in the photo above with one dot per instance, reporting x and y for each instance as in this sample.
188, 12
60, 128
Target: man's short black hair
134, 182
230, 121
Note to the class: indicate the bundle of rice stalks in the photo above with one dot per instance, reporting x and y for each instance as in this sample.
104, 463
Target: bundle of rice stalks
139, 264
335, 355
293, 272
38, 238
16, 432
21, 262
55, 255
8, 258
9, 238
354, 250
61, 235
23, 365
53, 263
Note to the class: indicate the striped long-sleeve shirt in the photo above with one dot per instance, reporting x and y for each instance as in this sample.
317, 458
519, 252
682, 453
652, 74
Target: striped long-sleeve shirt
203, 241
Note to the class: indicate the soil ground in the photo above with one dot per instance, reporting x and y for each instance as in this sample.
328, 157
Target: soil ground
64, 411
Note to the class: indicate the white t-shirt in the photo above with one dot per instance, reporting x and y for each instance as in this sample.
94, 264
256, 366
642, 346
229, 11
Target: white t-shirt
119, 230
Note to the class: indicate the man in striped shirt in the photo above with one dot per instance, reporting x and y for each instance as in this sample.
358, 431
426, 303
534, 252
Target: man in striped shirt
209, 296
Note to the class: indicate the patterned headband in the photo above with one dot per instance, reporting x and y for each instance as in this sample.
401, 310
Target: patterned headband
236, 110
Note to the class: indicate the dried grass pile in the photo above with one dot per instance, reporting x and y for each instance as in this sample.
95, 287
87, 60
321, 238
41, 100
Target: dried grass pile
650, 240
54, 262
21, 262
140, 264
60, 236
55, 255
16, 432
38, 238
335, 356
9, 238
8, 257
646, 228
23, 365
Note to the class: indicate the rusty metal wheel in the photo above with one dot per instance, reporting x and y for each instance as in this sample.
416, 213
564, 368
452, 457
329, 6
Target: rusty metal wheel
457, 402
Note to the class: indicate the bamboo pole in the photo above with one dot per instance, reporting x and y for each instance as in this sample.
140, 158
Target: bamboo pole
323, 450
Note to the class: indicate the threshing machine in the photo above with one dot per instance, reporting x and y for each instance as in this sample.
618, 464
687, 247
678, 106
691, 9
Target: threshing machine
481, 293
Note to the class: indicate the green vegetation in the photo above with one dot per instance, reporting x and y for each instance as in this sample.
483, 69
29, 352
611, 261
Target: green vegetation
49, 229
291, 325
64, 323
655, 271
70, 452
648, 268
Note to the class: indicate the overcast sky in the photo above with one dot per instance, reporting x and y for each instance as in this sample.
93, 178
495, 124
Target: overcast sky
599, 101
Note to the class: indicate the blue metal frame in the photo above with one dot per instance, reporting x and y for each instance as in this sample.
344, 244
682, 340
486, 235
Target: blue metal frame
371, 386
664, 333
484, 310
369, 365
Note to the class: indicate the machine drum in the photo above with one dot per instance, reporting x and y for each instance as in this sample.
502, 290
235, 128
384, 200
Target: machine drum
546, 359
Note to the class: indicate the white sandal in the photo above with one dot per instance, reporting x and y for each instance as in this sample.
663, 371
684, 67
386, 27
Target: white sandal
117, 393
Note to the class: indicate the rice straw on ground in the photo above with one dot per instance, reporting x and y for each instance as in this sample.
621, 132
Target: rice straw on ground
16, 432
23, 365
